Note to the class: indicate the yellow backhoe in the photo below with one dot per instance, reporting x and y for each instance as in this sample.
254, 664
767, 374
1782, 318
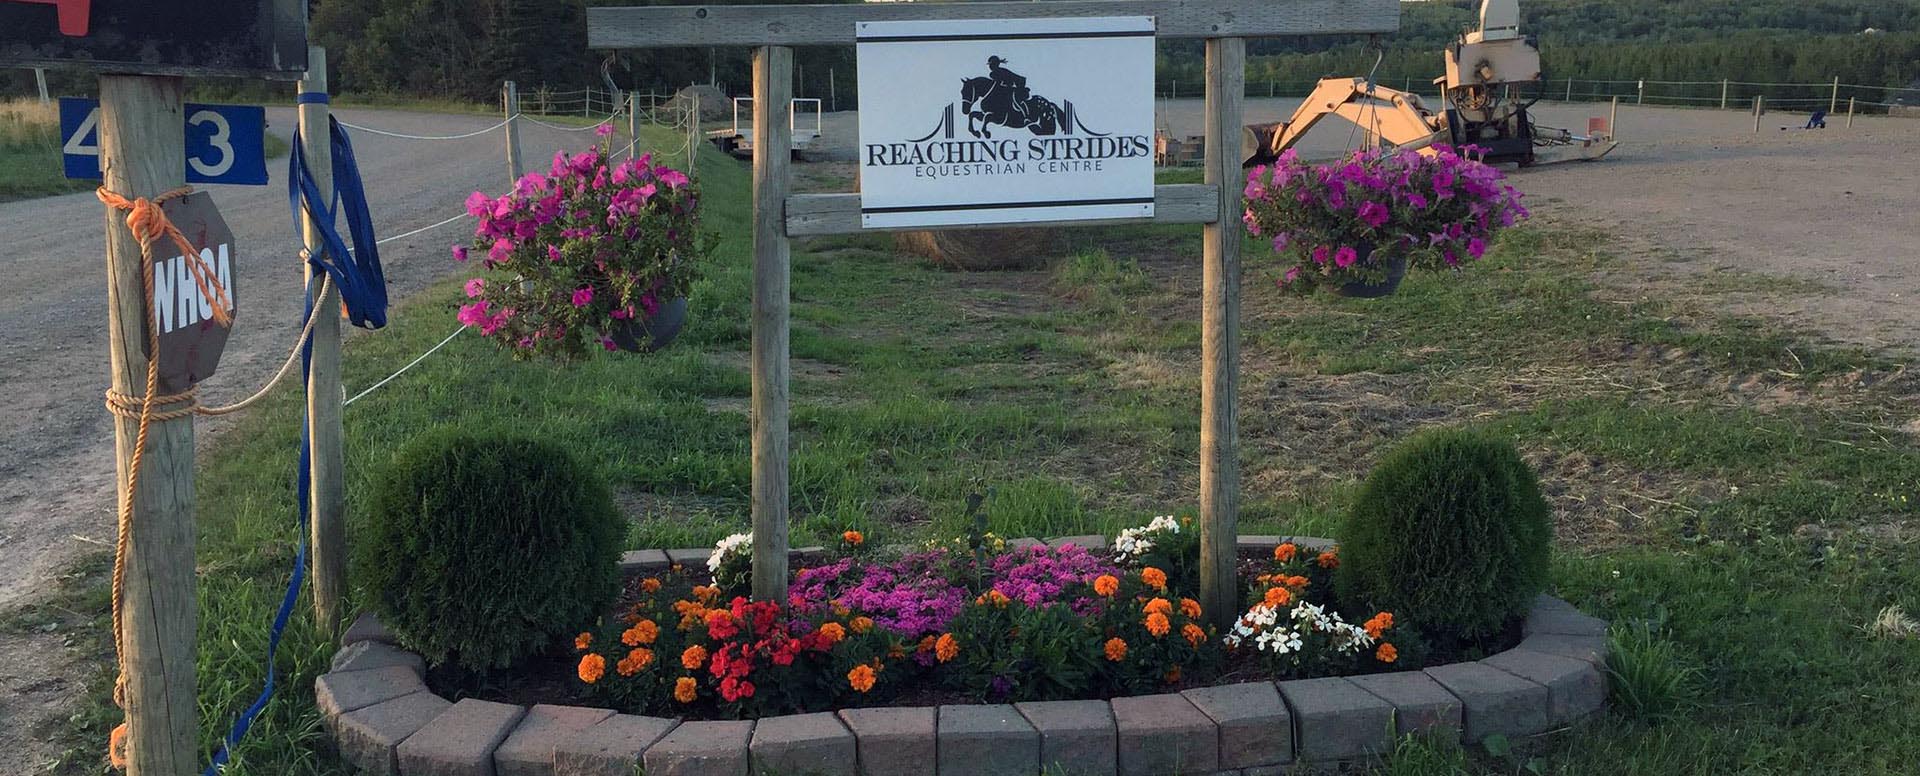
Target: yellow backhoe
1490, 72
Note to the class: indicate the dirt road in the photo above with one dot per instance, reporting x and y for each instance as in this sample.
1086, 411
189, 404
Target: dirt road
56, 459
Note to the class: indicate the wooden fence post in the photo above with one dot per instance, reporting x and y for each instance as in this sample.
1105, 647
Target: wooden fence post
1642, 99
40, 80
1613, 120
1723, 93
633, 123
510, 105
1759, 107
1220, 335
1833, 105
1850, 107
325, 425
772, 142
143, 154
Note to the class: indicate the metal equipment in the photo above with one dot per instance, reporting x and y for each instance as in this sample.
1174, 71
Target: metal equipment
1492, 79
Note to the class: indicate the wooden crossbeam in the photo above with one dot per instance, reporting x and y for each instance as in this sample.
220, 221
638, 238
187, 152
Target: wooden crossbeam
672, 26
818, 214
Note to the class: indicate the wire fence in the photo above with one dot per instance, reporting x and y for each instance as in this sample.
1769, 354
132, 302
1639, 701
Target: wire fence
1834, 96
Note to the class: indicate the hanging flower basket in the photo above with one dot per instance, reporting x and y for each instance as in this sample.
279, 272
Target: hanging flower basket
600, 255
1355, 226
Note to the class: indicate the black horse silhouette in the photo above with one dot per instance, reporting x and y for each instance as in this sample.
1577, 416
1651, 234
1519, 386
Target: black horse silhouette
988, 102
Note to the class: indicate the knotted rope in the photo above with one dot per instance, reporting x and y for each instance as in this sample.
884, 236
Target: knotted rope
149, 223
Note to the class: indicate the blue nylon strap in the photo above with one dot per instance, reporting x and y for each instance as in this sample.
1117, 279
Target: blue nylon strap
363, 287
312, 98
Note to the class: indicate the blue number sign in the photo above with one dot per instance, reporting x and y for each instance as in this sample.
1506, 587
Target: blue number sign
225, 143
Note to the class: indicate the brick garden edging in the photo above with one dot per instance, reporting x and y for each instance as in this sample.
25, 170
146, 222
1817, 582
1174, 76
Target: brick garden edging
385, 720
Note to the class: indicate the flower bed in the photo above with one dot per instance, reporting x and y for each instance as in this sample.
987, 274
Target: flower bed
1038, 624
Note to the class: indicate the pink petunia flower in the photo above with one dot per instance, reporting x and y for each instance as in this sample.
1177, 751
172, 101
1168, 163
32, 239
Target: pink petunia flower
475, 287
582, 296
1345, 257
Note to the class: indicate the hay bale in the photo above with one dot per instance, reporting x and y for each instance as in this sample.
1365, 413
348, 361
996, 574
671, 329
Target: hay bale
985, 249
714, 104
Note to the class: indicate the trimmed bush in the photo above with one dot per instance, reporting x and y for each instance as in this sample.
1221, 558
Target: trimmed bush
485, 548
1450, 534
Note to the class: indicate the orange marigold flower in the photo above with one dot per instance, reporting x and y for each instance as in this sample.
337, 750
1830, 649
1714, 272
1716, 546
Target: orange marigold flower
946, 647
1154, 578
1328, 560
707, 593
642, 632
592, 667
685, 689
1106, 585
636, 660
1190, 608
861, 624
926, 644
1193, 634
694, 657
835, 632
1158, 625
993, 597
1378, 624
582, 641
860, 678
1386, 653
1285, 552
1298, 582
1115, 649
896, 651
650, 585
1278, 597
854, 538
1160, 605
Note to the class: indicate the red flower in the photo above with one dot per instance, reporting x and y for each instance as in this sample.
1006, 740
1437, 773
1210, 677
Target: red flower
721, 625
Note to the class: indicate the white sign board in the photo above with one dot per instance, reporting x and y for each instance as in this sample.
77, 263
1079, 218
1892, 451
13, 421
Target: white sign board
1005, 120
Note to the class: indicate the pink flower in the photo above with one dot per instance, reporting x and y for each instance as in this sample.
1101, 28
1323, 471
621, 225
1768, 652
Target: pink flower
673, 178
1346, 256
498, 253
582, 296
1293, 274
475, 286
1373, 214
478, 204
620, 313
473, 314
1280, 241
553, 253
607, 342
1320, 254
604, 130
459, 253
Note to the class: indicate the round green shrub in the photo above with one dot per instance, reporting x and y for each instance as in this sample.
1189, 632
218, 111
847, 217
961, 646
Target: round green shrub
1450, 534
484, 548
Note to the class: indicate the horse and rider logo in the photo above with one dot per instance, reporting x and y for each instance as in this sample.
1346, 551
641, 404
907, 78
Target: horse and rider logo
1001, 98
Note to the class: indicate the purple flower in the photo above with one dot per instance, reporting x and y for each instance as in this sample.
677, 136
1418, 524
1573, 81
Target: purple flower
459, 253
478, 204
1373, 214
553, 253
1345, 257
673, 178
1293, 275
1281, 240
607, 342
1476, 247
1320, 254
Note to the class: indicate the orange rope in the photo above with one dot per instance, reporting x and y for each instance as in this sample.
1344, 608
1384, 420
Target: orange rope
149, 223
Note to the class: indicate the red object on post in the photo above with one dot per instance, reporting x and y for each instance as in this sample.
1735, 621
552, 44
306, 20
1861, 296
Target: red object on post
73, 14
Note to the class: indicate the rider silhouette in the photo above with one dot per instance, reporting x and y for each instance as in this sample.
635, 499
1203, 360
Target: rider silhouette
1013, 81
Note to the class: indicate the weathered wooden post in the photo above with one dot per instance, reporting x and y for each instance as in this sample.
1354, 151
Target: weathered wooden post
633, 123
1833, 104
1613, 119
143, 154
510, 105
1643, 93
1759, 107
326, 432
772, 142
40, 80
1850, 108
1723, 93
1569, 90
1220, 335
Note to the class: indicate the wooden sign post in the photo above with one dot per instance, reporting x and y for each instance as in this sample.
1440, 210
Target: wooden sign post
327, 497
510, 105
143, 154
1224, 24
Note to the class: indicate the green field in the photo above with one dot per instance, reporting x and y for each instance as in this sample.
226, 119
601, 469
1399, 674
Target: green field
1736, 498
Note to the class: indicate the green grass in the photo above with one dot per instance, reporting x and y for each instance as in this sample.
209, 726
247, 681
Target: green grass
1728, 485
30, 163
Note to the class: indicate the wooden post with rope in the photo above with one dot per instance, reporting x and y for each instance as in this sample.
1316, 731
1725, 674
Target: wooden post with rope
156, 614
510, 103
325, 425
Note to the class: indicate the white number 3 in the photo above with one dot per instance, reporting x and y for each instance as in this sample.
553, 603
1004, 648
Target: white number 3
221, 142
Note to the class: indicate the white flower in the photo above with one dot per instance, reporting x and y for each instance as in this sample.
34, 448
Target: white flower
1133, 543
737, 543
1279, 641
